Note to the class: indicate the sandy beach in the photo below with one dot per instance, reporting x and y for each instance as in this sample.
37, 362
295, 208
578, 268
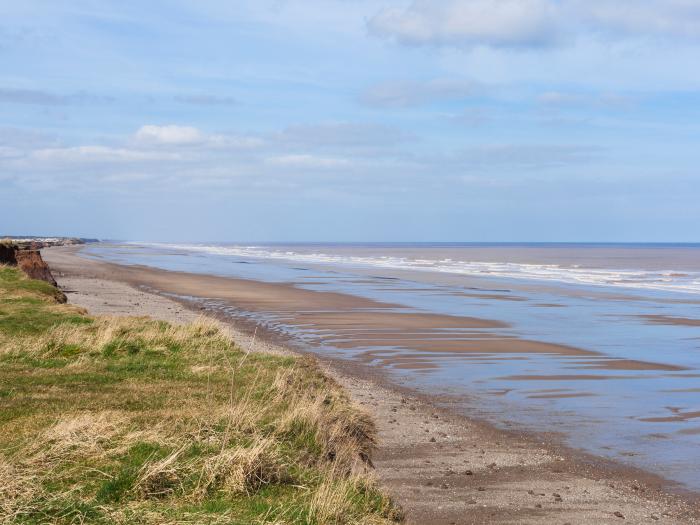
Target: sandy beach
442, 468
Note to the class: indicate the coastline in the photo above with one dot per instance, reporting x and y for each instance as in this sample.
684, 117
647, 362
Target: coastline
435, 462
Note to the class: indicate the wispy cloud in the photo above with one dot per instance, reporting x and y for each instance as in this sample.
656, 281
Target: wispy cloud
206, 100
342, 136
499, 23
32, 96
99, 154
39, 97
404, 93
525, 156
307, 161
564, 99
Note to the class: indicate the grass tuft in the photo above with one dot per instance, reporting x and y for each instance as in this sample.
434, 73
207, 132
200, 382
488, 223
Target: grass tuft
130, 420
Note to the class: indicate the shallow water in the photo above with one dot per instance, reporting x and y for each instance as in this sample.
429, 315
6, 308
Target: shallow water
637, 306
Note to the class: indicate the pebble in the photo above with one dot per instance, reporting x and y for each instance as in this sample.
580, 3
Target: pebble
619, 514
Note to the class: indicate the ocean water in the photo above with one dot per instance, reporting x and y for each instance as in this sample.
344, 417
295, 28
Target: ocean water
628, 303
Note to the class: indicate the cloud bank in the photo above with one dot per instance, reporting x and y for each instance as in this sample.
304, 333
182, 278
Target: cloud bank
533, 23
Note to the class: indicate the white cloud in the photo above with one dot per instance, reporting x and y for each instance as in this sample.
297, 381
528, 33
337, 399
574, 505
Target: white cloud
172, 135
233, 142
169, 135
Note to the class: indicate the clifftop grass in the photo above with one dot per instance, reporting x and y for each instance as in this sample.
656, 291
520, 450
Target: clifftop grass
130, 420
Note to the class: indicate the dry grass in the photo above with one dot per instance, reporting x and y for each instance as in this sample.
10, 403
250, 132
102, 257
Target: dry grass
113, 420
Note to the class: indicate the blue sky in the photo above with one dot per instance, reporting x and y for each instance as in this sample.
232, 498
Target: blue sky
339, 120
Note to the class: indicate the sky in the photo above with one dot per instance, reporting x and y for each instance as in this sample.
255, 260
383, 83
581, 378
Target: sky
351, 120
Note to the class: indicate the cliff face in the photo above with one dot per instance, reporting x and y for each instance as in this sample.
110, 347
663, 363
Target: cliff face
29, 261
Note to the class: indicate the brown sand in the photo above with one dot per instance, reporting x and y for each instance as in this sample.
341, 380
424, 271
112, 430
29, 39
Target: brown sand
443, 468
669, 320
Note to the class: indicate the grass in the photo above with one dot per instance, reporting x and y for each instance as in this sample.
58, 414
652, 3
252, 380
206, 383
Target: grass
130, 420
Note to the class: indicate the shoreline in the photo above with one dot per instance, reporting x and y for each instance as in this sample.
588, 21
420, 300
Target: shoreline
434, 461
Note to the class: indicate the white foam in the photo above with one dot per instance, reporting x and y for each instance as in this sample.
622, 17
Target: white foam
665, 280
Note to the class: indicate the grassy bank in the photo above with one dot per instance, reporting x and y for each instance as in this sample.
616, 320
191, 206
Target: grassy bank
129, 420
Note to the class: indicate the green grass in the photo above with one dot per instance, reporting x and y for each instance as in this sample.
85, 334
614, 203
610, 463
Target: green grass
106, 420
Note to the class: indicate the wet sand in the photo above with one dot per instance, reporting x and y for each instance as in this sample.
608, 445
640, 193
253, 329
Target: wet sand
669, 320
442, 467
352, 322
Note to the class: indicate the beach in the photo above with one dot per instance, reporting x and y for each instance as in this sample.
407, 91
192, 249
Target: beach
441, 465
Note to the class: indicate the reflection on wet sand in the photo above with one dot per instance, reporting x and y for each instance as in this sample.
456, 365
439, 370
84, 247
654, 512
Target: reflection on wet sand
564, 377
678, 415
563, 396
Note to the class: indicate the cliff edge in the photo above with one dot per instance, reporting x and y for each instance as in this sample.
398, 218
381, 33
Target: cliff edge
29, 261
